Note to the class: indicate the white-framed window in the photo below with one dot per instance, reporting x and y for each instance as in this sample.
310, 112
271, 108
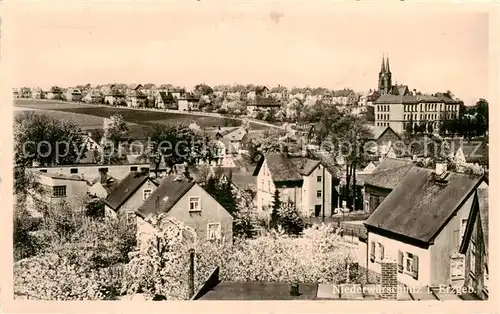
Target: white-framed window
457, 267
59, 191
408, 264
472, 258
318, 179
194, 204
318, 193
213, 231
146, 193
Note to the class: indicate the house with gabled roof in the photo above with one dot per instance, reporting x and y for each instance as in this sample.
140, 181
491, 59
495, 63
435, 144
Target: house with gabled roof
421, 224
474, 248
101, 187
93, 96
128, 195
345, 97
307, 182
73, 94
136, 98
55, 92
383, 179
166, 100
114, 96
280, 93
235, 135
180, 197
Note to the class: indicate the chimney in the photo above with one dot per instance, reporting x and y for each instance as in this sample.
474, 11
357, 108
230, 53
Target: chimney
191, 273
414, 92
284, 150
441, 167
389, 278
103, 176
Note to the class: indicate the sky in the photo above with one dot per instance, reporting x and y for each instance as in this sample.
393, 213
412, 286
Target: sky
265, 42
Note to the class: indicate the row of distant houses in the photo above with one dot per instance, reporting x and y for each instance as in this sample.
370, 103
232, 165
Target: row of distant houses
248, 93
283, 94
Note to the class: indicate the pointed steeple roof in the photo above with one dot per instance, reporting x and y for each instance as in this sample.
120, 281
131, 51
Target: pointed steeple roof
382, 67
387, 65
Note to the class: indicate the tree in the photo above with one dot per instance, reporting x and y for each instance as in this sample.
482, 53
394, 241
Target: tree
289, 218
177, 144
160, 265
115, 129
348, 134
275, 209
46, 141
203, 89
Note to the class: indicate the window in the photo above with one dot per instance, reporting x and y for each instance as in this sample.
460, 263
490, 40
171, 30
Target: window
194, 204
133, 168
262, 185
318, 193
73, 170
146, 193
457, 267
410, 264
463, 225
472, 258
379, 253
269, 186
59, 191
318, 179
213, 231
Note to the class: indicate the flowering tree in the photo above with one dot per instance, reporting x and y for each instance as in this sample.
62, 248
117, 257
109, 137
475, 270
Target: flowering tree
160, 266
115, 128
78, 261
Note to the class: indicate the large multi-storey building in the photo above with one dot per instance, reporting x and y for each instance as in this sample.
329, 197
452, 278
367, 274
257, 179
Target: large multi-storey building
397, 107
399, 111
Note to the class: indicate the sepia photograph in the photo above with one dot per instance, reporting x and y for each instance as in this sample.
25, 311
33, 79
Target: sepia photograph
263, 151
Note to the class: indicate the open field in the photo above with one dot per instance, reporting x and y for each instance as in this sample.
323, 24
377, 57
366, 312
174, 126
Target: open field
85, 122
129, 115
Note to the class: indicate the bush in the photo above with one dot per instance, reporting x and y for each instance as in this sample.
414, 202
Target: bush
52, 277
289, 219
319, 255
221, 111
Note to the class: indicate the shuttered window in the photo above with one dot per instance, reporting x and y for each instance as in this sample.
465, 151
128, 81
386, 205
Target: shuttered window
372, 252
400, 261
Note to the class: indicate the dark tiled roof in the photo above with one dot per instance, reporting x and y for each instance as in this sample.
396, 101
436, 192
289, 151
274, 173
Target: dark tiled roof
281, 167
420, 206
343, 93
167, 97
125, 189
389, 173
166, 195
413, 99
266, 102
243, 180
227, 290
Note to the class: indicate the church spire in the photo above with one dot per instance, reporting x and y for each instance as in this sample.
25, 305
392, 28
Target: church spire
387, 64
382, 67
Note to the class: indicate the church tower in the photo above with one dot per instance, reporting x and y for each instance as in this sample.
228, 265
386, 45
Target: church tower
385, 77
381, 77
